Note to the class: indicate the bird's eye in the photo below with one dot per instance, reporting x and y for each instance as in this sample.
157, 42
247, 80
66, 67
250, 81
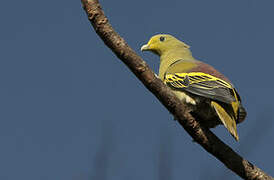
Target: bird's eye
162, 38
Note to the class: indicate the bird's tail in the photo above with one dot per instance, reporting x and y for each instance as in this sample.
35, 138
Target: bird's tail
228, 121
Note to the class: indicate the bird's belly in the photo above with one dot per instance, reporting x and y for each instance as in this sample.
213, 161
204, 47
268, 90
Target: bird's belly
184, 97
201, 108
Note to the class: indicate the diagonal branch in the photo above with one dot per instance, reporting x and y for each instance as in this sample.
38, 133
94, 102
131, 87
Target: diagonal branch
138, 66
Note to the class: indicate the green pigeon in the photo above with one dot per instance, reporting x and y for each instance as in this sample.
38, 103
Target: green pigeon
212, 97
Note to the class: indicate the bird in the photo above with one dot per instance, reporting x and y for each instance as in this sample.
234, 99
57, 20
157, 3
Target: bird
211, 96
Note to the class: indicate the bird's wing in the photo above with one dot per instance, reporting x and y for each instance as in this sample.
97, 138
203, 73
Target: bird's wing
204, 85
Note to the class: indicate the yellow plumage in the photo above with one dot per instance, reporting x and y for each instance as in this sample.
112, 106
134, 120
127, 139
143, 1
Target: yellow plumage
213, 98
228, 121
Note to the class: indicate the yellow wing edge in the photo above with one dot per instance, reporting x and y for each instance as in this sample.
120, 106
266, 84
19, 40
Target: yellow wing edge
194, 77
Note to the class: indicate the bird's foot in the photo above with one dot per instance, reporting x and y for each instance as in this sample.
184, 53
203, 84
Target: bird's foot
175, 118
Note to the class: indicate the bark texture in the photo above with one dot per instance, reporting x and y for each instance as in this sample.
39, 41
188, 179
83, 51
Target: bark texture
139, 67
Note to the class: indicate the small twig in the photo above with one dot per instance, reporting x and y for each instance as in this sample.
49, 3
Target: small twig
138, 66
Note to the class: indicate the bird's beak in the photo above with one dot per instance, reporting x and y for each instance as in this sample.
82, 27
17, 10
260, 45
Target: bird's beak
145, 47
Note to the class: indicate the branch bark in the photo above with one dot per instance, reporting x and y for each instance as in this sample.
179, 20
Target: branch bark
139, 67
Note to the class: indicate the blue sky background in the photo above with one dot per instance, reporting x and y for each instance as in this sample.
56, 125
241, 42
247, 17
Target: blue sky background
71, 110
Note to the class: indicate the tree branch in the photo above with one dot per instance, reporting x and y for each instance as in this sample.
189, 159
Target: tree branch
138, 66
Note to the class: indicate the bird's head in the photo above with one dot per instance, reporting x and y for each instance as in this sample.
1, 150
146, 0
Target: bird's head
162, 43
